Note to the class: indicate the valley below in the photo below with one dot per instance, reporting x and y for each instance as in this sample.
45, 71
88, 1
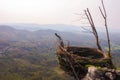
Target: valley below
30, 55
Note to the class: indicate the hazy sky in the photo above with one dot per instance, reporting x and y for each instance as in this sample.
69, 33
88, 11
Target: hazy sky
56, 11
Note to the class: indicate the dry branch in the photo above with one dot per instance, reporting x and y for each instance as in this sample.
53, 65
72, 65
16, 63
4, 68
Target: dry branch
94, 31
104, 15
61, 47
60, 40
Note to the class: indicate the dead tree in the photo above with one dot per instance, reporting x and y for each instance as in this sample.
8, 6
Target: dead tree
94, 31
74, 64
104, 15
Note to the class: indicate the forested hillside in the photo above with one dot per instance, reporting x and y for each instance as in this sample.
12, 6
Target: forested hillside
26, 55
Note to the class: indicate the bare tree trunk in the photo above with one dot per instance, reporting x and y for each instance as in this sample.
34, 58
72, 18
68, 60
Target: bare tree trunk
104, 15
94, 31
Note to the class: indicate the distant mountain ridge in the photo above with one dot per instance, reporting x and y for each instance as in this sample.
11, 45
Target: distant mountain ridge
44, 37
13, 33
35, 27
59, 27
6, 28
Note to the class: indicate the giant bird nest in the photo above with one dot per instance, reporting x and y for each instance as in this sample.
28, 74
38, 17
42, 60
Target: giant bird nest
78, 59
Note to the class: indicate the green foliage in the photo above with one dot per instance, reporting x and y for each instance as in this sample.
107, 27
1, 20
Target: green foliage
118, 68
30, 66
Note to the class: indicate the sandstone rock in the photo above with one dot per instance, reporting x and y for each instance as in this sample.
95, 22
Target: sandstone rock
101, 74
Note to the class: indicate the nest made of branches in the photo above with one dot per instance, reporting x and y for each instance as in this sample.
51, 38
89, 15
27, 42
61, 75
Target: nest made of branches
78, 59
